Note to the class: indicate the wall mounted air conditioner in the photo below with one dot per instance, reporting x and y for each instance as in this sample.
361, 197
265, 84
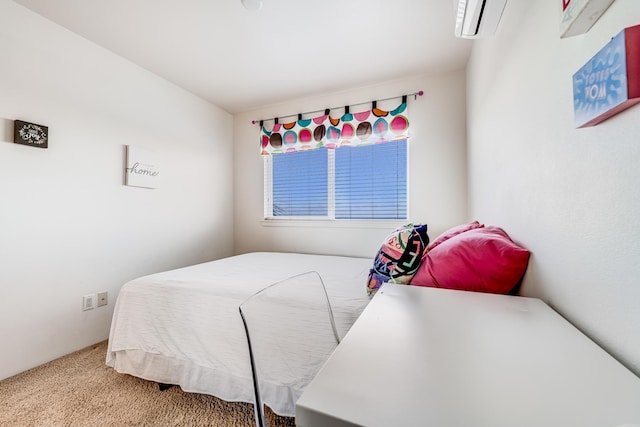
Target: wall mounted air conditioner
478, 18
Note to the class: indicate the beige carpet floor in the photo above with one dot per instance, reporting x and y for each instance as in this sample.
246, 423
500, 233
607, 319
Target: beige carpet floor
80, 390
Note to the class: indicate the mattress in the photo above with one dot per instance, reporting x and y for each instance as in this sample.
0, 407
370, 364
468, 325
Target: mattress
183, 326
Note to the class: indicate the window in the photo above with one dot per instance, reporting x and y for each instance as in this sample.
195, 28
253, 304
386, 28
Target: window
371, 181
364, 182
300, 183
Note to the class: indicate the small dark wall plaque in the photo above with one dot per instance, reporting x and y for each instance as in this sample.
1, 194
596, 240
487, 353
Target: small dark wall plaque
31, 134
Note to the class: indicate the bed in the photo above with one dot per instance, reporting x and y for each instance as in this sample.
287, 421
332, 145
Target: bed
183, 326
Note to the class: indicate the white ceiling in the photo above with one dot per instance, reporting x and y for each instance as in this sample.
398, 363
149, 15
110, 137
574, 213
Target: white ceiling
241, 60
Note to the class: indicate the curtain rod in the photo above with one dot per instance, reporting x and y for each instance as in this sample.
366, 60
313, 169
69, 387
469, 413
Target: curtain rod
299, 115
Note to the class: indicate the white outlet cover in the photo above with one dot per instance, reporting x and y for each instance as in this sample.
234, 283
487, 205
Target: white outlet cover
103, 299
89, 302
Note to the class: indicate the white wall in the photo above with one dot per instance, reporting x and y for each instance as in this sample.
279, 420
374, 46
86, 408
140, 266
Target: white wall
437, 169
68, 225
570, 195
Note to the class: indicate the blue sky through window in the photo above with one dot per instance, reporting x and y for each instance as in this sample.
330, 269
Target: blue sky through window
300, 183
370, 182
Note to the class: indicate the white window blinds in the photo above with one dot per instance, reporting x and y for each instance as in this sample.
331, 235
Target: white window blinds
362, 182
371, 181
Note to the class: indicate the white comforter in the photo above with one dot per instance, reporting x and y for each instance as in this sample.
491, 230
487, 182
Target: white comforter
183, 326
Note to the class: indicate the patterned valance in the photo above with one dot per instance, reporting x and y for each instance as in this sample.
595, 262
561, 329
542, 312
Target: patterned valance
352, 129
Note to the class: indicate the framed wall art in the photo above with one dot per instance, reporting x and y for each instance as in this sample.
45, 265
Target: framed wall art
610, 81
578, 16
30, 134
141, 168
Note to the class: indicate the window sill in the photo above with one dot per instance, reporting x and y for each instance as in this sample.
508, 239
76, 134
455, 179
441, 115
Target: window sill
389, 224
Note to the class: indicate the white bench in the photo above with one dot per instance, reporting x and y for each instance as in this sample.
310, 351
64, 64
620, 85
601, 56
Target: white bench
435, 357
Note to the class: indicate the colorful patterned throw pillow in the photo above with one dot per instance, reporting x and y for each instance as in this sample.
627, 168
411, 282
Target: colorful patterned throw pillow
399, 257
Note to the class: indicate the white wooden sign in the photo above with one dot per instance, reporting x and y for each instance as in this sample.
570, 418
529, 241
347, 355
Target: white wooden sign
578, 16
142, 170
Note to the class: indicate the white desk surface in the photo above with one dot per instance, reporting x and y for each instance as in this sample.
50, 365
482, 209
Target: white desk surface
434, 357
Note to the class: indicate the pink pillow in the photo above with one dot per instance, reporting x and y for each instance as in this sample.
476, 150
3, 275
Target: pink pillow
481, 259
459, 229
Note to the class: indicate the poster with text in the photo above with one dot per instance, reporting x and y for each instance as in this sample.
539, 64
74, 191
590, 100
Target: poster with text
141, 170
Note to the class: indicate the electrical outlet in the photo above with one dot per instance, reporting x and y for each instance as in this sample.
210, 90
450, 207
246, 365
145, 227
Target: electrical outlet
89, 302
103, 298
